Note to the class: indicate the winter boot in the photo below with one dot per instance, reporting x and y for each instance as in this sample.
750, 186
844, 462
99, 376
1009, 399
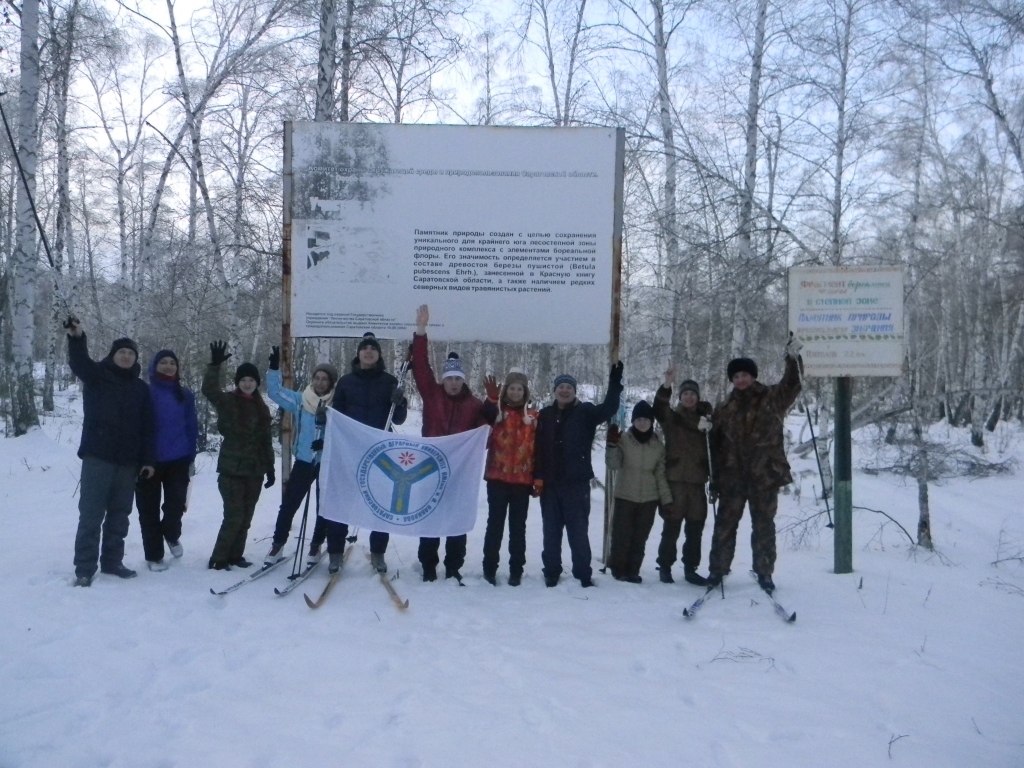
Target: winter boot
336, 559
242, 563
429, 573
635, 578
714, 579
453, 573
665, 574
219, 565
314, 554
515, 579
589, 583
491, 578
766, 583
377, 562
83, 581
120, 571
550, 581
157, 565
692, 577
176, 549
274, 554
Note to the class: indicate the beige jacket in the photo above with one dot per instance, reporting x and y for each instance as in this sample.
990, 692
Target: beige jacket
640, 469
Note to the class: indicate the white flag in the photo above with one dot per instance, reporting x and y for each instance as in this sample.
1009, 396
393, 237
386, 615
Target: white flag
413, 486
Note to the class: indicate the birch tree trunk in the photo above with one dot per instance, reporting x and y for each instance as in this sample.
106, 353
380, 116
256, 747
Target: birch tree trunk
23, 262
326, 62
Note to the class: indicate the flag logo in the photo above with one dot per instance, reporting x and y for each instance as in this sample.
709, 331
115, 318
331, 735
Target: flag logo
402, 481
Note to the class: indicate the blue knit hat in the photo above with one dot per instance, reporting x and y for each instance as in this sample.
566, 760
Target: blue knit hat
564, 378
453, 367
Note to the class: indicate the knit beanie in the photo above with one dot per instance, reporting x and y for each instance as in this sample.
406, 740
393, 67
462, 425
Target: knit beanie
453, 367
167, 353
125, 343
247, 369
642, 410
689, 386
741, 365
368, 340
564, 378
330, 370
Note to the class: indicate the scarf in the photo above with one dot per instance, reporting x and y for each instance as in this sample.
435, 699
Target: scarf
311, 400
507, 406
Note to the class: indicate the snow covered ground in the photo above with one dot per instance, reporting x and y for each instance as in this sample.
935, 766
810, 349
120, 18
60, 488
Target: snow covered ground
913, 660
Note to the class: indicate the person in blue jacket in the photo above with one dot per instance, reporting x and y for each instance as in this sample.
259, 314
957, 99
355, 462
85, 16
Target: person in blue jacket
366, 394
116, 448
303, 407
563, 470
176, 431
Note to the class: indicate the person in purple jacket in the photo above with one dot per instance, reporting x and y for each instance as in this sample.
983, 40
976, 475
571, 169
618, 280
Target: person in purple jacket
176, 430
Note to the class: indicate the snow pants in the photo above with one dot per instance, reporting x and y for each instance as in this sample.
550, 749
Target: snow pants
566, 506
240, 494
454, 552
336, 533
172, 478
511, 500
763, 505
300, 480
631, 525
687, 513
104, 504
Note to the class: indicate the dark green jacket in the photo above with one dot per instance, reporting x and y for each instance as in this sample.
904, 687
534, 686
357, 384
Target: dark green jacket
244, 423
686, 451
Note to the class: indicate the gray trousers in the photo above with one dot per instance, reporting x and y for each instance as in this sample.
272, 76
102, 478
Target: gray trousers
104, 504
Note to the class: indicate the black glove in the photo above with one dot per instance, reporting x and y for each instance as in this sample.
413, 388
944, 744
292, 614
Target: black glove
397, 396
318, 445
270, 479
219, 353
275, 358
615, 377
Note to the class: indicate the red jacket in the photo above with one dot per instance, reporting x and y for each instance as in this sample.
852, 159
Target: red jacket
510, 448
443, 414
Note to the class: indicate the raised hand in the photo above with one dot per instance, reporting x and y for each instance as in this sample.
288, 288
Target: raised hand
670, 377
615, 377
422, 318
219, 352
493, 390
74, 326
793, 346
275, 358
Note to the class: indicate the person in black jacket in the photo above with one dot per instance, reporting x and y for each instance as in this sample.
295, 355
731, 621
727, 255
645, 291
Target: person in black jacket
116, 447
366, 394
562, 473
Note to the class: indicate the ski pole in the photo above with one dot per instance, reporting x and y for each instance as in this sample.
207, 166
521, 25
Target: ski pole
401, 386
814, 440
714, 505
320, 422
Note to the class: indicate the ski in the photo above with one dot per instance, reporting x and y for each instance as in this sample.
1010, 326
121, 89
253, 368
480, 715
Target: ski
330, 584
300, 577
692, 610
785, 615
391, 589
258, 574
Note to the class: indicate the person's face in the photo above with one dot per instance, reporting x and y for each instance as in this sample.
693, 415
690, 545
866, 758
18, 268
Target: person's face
688, 399
452, 385
565, 393
124, 358
742, 380
515, 392
321, 383
643, 424
368, 357
166, 366
247, 384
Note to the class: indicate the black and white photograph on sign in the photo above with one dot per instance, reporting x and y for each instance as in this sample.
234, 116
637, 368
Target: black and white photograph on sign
478, 222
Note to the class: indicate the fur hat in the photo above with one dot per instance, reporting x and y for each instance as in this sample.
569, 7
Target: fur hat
247, 369
741, 365
453, 367
564, 378
368, 340
125, 343
516, 376
689, 386
642, 410
330, 370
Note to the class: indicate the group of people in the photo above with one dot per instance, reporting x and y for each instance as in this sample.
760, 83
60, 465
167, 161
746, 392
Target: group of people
140, 440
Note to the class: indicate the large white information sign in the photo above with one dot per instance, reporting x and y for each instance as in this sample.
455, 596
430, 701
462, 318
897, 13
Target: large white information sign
507, 233
850, 319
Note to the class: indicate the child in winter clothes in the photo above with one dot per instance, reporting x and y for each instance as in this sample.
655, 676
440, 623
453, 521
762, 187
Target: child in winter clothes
176, 429
509, 473
246, 455
448, 409
639, 458
117, 442
303, 406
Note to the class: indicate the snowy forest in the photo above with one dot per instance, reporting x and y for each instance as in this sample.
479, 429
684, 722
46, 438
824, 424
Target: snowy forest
759, 136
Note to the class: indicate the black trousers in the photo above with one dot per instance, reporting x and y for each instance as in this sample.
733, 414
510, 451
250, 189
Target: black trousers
172, 478
336, 533
511, 500
566, 506
454, 552
104, 504
631, 525
240, 494
300, 480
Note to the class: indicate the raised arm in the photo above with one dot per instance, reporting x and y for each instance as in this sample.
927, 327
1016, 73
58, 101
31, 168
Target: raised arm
610, 406
83, 366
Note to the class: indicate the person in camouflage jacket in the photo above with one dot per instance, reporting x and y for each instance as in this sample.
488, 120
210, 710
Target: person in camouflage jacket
246, 455
749, 462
